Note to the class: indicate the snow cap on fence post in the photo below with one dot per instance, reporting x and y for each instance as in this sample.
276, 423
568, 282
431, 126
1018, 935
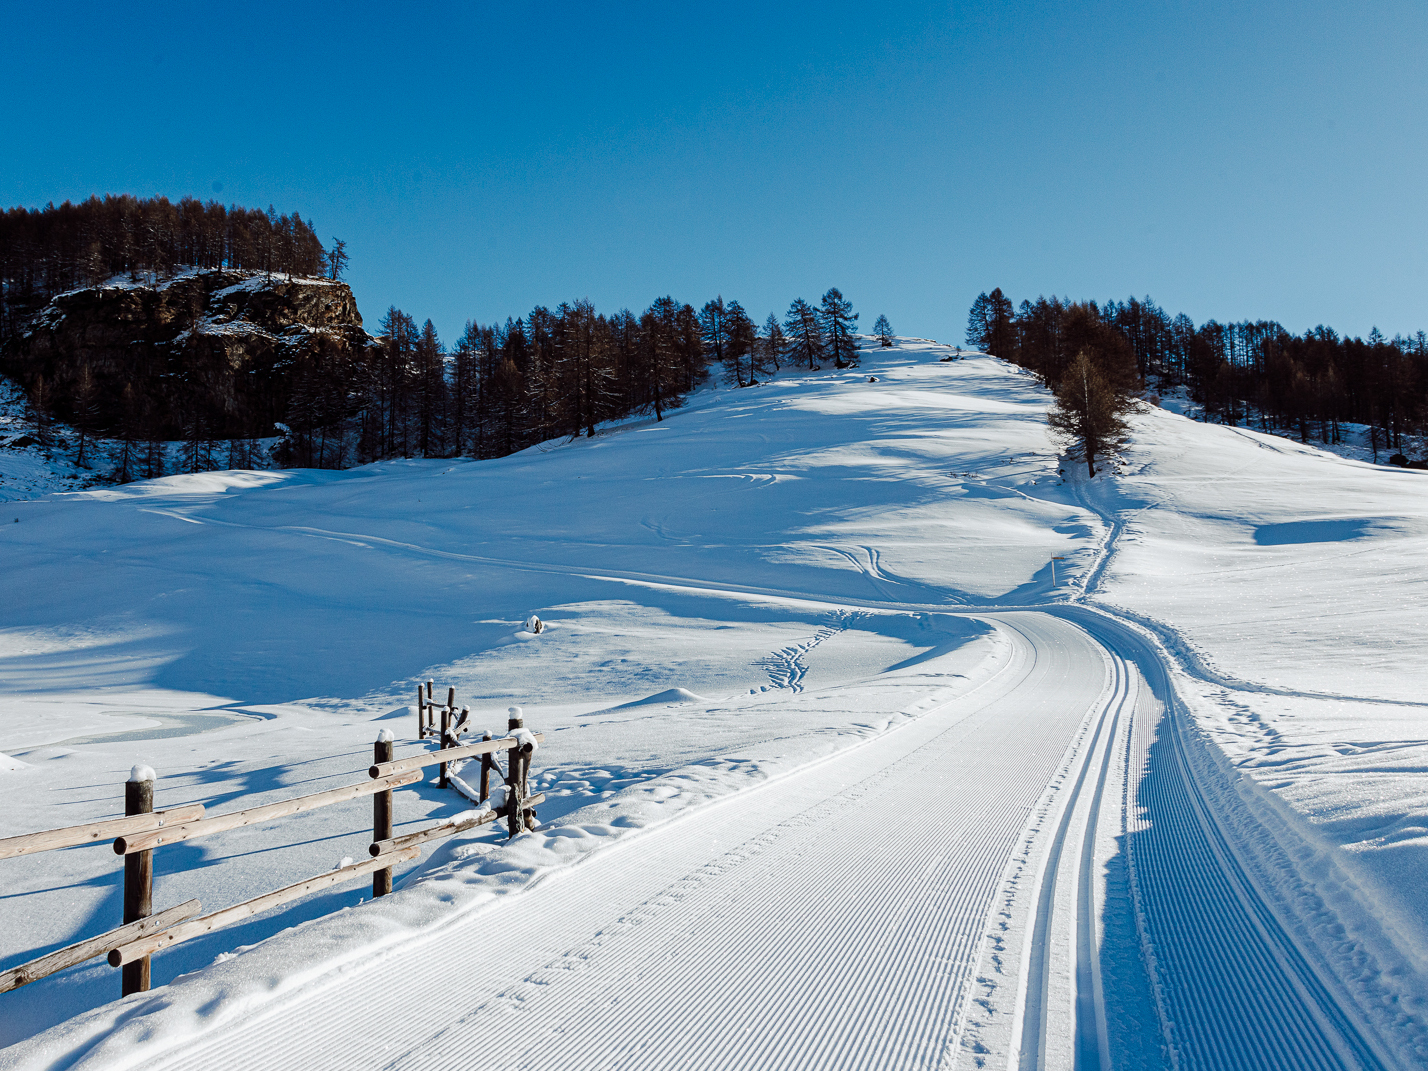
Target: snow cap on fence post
385, 736
141, 773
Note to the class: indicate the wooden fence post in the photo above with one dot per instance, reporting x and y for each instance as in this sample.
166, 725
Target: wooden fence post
487, 765
138, 875
382, 812
445, 728
515, 798
421, 715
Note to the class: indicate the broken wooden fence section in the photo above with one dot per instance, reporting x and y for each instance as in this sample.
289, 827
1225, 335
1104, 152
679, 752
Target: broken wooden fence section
143, 830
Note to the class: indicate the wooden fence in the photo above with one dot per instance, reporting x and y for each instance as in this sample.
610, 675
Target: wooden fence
143, 830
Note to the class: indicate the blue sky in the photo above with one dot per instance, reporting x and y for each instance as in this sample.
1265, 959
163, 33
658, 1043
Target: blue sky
1232, 160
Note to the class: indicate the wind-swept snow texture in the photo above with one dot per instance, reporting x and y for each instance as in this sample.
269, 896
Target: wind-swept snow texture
834, 776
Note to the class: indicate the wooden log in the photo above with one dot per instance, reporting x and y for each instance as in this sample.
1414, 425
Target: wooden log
451, 698
93, 832
253, 815
442, 829
145, 946
382, 814
138, 876
465, 751
15, 977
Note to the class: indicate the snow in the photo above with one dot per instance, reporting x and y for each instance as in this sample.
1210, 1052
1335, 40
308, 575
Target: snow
797, 635
140, 774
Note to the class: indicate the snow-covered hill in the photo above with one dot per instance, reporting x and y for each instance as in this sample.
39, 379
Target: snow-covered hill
816, 561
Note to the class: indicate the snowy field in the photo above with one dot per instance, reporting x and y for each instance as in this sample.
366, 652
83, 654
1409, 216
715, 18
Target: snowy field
914, 807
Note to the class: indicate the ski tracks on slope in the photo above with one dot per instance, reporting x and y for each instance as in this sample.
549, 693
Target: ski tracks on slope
829, 918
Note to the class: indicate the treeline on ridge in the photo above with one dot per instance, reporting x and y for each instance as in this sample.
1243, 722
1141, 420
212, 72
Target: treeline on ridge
48, 251
551, 373
1253, 373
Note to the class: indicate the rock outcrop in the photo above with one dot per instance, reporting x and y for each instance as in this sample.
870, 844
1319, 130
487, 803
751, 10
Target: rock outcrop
221, 349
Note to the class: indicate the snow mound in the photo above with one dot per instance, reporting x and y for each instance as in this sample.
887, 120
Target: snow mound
667, 697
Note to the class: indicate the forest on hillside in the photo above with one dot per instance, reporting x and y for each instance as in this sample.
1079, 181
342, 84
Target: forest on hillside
497, 389
1253, 373
51, 250
552, 373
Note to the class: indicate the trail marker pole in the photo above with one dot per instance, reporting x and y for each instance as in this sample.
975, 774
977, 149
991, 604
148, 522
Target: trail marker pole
1053, 569
382, 813
138, 875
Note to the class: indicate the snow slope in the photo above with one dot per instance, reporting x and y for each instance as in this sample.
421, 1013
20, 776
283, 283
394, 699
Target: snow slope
826, 561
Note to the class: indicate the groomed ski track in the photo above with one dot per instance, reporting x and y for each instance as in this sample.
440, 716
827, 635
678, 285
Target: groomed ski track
930, 898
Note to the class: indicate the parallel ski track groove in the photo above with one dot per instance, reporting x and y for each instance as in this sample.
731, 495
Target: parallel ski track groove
1236, 991
858, 922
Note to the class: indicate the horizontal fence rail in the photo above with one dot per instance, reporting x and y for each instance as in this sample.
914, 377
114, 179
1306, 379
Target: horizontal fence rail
144, 946
94, 832
235, 820
450, 754
452, 826
75, 954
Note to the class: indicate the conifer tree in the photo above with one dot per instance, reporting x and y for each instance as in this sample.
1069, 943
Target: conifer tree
713, 321
1089, 414
689, 344
337, 259
430, 389
884, 331
838, 320
805, 333
770, 347
989, 325
739, 348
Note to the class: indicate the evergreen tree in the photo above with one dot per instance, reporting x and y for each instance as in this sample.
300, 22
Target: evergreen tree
659, 358
337, 259
393, 382
739, 349
805, 333
465, 388
884, 331
770, 347
429, 375
689, 346
838, 321
989, 325
713, 321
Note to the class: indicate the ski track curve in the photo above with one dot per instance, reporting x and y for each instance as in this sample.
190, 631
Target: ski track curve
828, 919
833, 917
